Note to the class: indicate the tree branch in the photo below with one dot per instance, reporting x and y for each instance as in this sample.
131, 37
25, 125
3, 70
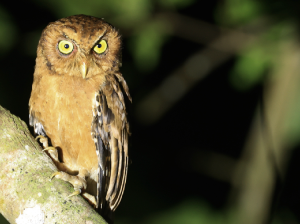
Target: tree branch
26, 193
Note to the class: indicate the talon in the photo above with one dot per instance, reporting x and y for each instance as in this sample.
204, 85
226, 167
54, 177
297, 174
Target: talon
78, 182
40, 136
90, 199
54, 174
42, 139
77, 192
51, 148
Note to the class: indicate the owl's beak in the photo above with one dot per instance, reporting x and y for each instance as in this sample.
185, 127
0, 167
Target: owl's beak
83, 69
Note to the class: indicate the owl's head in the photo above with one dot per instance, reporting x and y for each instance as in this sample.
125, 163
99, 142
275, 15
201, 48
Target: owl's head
82, 46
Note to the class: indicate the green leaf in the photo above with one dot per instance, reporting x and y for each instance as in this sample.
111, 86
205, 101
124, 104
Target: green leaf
146, 45
236, 12
188, 212
249, 69
175, 3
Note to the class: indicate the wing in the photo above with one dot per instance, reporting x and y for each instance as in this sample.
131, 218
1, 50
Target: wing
110, 131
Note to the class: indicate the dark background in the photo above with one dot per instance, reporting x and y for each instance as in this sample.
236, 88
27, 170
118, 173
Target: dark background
202, 75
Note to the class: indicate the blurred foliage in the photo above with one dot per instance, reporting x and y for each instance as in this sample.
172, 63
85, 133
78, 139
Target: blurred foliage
146, 45
250, 68
125, 12
237, 12
293, 122
256, 60
188, 212
285, 217
174, 4
255, 63
8, 32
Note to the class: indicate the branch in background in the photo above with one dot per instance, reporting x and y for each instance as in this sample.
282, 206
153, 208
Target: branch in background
176, 85
26, 193
267, 147
214, 165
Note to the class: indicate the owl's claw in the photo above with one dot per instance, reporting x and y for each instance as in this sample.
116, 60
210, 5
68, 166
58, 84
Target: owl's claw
91, 199
77, 192
54, 174
43, 140
77, 181
50, 148
39, 136
52, 152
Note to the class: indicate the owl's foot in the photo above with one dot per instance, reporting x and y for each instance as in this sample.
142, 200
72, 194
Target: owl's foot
43, 140
91, 199
51, 150
78, 183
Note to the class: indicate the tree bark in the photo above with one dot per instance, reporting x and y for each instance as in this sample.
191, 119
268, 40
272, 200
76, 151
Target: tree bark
27, 195
269, 144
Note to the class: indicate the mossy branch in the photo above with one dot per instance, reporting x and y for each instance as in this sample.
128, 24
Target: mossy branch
26, 193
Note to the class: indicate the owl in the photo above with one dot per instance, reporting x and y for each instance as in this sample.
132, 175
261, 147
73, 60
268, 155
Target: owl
77, 103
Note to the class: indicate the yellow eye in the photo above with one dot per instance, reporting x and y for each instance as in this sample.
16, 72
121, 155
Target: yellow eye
100, 47
65, 47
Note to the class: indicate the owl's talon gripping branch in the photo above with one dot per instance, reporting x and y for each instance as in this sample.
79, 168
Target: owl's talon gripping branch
78, 182
77, 192
51, 150
54, 174
43, 140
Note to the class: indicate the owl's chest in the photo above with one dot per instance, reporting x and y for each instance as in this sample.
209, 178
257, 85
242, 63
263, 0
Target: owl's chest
69, 100
64, 106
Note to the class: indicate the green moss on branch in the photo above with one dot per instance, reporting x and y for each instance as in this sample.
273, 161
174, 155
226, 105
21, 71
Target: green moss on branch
25, 187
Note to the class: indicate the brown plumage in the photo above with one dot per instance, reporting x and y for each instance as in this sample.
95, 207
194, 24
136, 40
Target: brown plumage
77, 102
